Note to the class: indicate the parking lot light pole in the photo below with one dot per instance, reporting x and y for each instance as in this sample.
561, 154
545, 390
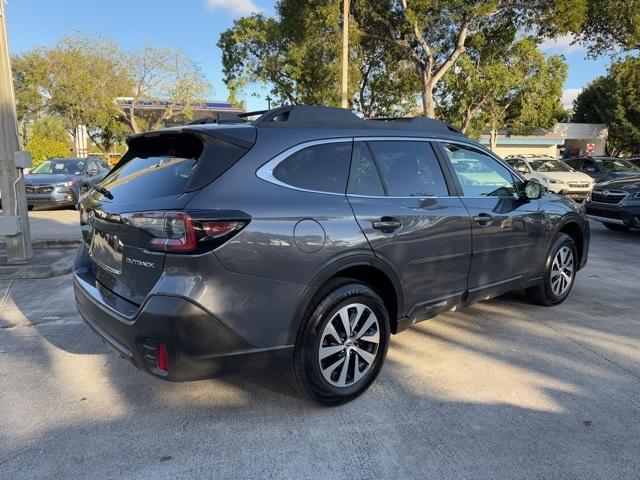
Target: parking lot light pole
14, 223
345, 54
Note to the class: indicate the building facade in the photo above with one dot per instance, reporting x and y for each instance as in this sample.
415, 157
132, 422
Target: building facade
565, 139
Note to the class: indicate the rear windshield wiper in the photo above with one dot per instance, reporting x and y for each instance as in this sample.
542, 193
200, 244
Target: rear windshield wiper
102, 190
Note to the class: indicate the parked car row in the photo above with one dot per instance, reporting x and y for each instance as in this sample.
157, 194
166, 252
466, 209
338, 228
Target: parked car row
610, 185
554, 174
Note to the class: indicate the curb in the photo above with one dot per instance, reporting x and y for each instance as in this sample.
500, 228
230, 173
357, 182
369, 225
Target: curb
62, 266
41, 244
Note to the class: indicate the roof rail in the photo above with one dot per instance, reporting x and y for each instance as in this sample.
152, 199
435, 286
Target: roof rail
424, 122
302, 115
310, 116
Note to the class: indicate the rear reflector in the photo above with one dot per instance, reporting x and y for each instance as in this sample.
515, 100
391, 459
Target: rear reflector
162, 358
179, 232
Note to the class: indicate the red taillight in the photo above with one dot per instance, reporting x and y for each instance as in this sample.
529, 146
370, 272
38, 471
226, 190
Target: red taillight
219, 228
162, 358
179, 232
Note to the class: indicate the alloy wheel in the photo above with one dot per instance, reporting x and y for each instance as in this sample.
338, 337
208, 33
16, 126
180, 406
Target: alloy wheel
348, 345
562, 271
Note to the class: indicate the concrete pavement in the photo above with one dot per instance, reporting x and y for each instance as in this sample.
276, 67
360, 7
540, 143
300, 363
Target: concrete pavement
502, 390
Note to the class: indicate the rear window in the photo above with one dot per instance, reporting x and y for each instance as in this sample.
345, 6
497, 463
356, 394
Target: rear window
155, 167
323, 168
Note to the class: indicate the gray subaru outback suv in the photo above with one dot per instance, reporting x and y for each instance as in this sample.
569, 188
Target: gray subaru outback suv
308, 236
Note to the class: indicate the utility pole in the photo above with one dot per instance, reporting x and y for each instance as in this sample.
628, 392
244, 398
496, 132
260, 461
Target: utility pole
14, 223
345, 54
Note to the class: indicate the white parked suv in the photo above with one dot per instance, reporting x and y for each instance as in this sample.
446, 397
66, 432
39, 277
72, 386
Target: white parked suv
554, 174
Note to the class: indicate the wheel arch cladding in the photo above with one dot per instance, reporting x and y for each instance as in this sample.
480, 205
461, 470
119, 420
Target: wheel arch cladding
369, 270
574, 230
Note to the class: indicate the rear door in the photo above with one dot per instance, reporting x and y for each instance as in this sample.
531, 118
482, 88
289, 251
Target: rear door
401, 200
508, 229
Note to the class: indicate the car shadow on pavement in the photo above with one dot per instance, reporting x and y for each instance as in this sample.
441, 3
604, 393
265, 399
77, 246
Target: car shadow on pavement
468, 395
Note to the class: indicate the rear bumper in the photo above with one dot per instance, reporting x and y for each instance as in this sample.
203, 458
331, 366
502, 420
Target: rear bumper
617, 214
198, 344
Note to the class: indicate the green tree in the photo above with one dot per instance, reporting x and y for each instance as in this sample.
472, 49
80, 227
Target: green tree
614, 100
433, 34
611, 25
515, 88
50, 128
79, 79
297, 55
43, 148
29, 73
161, 74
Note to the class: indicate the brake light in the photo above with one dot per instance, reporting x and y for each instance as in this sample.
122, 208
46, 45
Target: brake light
180, 232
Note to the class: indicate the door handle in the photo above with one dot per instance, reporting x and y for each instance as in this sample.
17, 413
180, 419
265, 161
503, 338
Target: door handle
387, 224
483, 219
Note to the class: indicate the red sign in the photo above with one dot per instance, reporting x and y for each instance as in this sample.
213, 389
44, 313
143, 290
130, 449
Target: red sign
591, 147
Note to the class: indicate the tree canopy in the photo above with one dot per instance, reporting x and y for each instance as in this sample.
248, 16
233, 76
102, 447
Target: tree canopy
611, 26
79, 79
433, 34
614, 99
296, 54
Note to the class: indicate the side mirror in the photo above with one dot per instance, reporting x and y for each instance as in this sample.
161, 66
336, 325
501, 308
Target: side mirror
533, 190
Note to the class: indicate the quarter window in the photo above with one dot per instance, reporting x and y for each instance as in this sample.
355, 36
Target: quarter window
479, 174
409, 169
324, 168
364, 178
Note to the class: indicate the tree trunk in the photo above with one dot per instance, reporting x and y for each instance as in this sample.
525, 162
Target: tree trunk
428, 103
493, 140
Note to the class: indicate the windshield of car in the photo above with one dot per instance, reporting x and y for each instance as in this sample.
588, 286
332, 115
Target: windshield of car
64, 167
549, 166
617, 166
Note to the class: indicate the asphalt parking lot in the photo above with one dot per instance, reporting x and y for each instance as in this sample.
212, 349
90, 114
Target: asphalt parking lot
502, 390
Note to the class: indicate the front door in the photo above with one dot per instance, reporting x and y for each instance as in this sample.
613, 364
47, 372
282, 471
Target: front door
401, 201
508, 228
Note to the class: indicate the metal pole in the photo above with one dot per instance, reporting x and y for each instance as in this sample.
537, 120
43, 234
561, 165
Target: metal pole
345, 54
14, 202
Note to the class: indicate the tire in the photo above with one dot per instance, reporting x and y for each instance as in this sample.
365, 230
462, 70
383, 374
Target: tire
616, 227
557, 282
317, 337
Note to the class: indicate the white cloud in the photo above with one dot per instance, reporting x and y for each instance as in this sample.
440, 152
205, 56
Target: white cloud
235, 7
568, 96
563, 44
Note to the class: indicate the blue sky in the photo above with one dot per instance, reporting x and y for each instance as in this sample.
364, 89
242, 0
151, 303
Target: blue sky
194, 26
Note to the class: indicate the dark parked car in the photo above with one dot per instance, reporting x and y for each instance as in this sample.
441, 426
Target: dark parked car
616, 203
61, 181
309, 236
603, 169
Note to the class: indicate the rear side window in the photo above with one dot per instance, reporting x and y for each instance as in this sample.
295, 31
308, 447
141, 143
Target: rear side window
409, 169
155, 167
364, 178
324, 168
